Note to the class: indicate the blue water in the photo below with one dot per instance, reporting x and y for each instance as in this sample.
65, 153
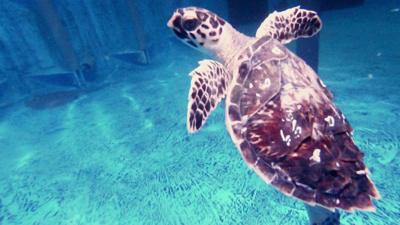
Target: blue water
121, 154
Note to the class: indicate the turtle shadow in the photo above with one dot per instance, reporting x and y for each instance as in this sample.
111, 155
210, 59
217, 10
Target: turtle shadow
53, 99
58, 98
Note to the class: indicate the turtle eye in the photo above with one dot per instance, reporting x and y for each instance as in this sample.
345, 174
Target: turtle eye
190, 25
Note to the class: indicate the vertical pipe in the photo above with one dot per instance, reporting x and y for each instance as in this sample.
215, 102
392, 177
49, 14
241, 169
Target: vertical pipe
245, 12
137, 24
308, 48
57, 32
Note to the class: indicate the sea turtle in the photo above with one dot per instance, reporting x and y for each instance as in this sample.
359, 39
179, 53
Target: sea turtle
279, 113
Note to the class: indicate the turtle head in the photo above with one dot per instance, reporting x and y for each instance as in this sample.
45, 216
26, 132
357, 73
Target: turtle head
198, 27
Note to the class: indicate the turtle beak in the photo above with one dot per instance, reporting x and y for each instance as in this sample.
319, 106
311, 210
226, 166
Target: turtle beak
170, 23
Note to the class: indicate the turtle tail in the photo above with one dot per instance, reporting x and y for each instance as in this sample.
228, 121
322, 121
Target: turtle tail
321, 216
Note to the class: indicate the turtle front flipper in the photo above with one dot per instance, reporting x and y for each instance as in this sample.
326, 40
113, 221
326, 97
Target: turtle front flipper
290, 24
208, 87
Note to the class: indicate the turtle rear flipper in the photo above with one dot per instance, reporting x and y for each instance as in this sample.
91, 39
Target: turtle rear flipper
290, 24
208, 87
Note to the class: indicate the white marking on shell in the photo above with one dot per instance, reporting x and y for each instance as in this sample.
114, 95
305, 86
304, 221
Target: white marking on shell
265, 149
361, 172
337, 201
316, 133
255, 135
286, 138
288, 86
304, 186
277, 51
271, 103
294, 123
259, 121
291, 192
274, 176
251, 85
296, 129
258, 159
330, 120
288, 69
337, 164
322, 83
268, 113
316, 155
265, 84
297, 132
256, 141
289, 115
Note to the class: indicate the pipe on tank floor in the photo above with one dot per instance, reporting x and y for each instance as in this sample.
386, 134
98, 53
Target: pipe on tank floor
57, 31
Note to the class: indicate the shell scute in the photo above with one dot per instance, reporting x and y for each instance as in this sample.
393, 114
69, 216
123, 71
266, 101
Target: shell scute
248, 153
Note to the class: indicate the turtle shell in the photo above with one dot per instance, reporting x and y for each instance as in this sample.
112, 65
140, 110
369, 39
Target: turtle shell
282, 119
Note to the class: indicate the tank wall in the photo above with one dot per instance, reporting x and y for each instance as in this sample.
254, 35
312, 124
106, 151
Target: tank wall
49, 45
44, 42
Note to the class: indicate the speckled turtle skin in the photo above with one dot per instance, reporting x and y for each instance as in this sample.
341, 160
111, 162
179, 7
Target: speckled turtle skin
282, 118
